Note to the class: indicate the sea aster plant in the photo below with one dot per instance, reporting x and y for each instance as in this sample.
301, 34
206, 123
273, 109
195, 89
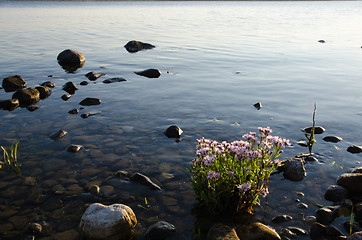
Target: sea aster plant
232, 176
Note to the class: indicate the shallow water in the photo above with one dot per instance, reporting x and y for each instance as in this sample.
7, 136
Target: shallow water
217, 59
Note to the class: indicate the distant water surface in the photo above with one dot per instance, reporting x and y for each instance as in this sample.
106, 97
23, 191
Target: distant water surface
216, 58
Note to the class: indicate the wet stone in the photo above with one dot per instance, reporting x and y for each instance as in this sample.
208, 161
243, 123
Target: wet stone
142, 179
27, 96
354, 149
173, 132
333, 139
73, 111
74, 148
317, 231
258, 105
325, 215
32, 108
90, 101
302, 206
310, 219
351, 181
94, 76
357, 170
59, 134
150, 73
83, 83
10, 104
335, 193
317, 130
66, 97
48, 84
282, 218
160, 230
333, 232
44, 91
135, 46
94, 189
220, 231
294, 169
71, 60
70, 88
302, 143
13, 83
297, 231
114, 80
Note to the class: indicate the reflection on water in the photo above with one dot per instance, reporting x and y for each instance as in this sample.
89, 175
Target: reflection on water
216, 60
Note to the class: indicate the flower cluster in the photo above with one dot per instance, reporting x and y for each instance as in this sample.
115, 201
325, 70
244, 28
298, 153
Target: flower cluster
233, 175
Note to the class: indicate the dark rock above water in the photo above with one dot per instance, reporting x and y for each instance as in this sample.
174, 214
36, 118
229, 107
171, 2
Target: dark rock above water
282, 218
74, 148
351, 181
33, 107
59, 134
10, 104
13, 83
317, 130
73, 111
173, 132
66, 97
135, 46
354, 149
335, 193
159, 231
44, 91
220, 231
150, 73
48, 84
71, 60
70, 87
142, 179
256, 231
27, 96
90, 101
94, 76
293, 169
258, 105
113, 80
333, 139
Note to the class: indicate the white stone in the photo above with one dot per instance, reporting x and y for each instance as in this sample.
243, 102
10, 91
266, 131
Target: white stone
114, 222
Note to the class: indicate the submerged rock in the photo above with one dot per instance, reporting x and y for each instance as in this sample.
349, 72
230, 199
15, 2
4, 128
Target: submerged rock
220, 231
94, 76
90, 102
333, 139
173, 132
159, 231
13, 83
71, 60
282, 218
114, 80
256, 231
114, 222
135, 46
354, 149
10, 104
70, 87
317, 130
150, 73
27, 96
142, 179
351, 181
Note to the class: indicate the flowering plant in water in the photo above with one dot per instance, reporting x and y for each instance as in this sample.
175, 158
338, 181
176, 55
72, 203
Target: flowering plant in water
231, 176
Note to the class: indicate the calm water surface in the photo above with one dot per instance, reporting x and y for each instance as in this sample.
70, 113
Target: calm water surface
217, 59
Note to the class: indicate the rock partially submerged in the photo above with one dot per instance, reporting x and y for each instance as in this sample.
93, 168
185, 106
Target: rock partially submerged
135, 46
317, 130
113, 80
71, 60
9, 104
160, 230
114, 222
351, 181
258, 105
74, 148
13, 83
44, 91
173, 132
335, 193
354, 149
220, 231
333, 139
70, 87
293, 169
150, 73
256, 231
142, 179
27, 96
90, 102
59, 134
94, 76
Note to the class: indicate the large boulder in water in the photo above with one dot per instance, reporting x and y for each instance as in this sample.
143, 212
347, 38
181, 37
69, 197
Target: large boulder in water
351, 181
13, 83
9, 104
114, 222
71, 60
135, 46
150, 73
293, 169
27, 96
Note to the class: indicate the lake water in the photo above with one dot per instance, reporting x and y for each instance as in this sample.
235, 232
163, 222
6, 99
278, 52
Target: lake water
217, 59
